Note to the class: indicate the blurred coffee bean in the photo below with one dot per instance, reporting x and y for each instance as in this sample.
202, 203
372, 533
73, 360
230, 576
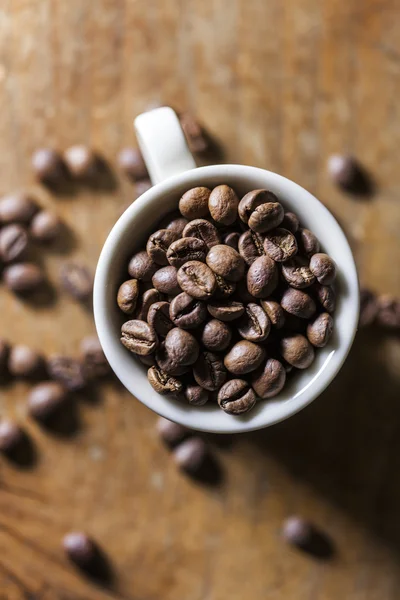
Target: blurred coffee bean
67, 371
344, 170
13, 242
191, 454
81, 161
195, 136
18, 207
11, 435
23, 277
142, 186
48, 166
307, 537
4, 354
131, 163
368, 308
79, 548
388, 315
45, 399
94, 360
171, 433
77, 280
25, 362
45, 226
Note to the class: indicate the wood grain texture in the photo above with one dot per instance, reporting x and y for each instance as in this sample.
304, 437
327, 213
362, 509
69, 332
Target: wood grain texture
280, 85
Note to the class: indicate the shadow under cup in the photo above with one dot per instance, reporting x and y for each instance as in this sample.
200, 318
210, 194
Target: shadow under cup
130, 235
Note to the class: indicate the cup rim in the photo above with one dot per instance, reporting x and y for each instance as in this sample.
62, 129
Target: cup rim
202, 418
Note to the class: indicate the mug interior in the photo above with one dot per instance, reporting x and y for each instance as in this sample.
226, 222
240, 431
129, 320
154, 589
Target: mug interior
130, 234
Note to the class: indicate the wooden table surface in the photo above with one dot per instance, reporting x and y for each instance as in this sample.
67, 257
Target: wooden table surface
280, 85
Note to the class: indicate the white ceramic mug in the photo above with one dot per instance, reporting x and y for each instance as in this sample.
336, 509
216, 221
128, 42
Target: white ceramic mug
172, 169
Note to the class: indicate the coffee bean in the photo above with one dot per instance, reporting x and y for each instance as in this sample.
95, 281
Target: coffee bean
181, 347
23, 277
229, 310
139, 337
297, 531
244, 357
344, 170
252, 200
77, 280
194, 203
195, 136
187, 312
305, 536
45, 226
266, 217
388, 312
177, 224
262, 277
197, 280
163, 383
232, 239
45, 399
186, 249
149, 297
323, 267
224, 288
79, 548
326, 296
81, 161
158, 244
269, 380
94, 360
191, 454
141, 266
297, 351
203, 230
25, 362
307, 242
216, 336
223, 205
320, 330
131, 163
13, 242
67, 371
167, 364
171, 433
11, 435
298, 303
275, 312
17, 208
4, 355
280, 244
158, 318
196, 395
48, 166
226, 262
209, 371
127, 296
236, 397
166, 282
251, 246
254, 325
368, 308
297, 273
290, 222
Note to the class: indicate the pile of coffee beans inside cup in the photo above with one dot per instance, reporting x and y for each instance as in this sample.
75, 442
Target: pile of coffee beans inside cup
228, 296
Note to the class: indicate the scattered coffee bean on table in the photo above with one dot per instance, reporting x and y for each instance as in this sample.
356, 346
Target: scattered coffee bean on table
13, 242
242, 297
307, 537
171, 433
81, 161
77, 280
23, 278
79, 548
4, 354
45, 399
18, 207
191, 454
45, 226
95, 364
11, 435
25, 362
70, 372
131, 163
48, 166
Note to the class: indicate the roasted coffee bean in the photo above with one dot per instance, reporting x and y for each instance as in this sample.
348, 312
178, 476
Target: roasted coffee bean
195, 136
298, 303
244, 357
323, 267
297, 351
320, 330
344, 171
216, 336
223, 205
4, 355
251, 246
79, 548
252, 200
209, 371
224, 288
167, 364
131, 163
149, 297
177, 225
141, 266
139, 337
25, 362
290, 222
297, 273
197, 280
166, 282
191, 454
23, 277
17, 208
305, 536
158, 244
181, 347
326, 296
185, 249
255, 324
45, 226
280, 244
232, 239
228, 310
194, 203
368, 308
67, 371
262, 277
81, 161
202, 230
307, 242
236, 397
187, 312
275, 312
158, 318
171, 433
48, 166
13, 242
77, 280
127, 296
269, 380
45, 399
163, 383
266, 217
226, 262
11, 435
196, 395
94, 360
388, 312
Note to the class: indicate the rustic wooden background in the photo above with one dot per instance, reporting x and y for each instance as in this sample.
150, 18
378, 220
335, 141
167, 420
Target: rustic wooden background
280, 85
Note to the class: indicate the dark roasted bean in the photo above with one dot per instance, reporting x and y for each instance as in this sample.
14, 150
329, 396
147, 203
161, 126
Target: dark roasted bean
290, 222
298, 303
297, 273
320, 330
175, 222
127, 297
223, 205
236, 397
224, 288
194, 203
187, 312
244, 357
297, 351
209, 371
252, 200
139, 337
185, 249
262, 277
275, 312
77, 280
158, 244
280, 244
227, 310
165, 280
197, 280
141, 266
326, 296
158, 318
196, 395
167, 365
181, 347
269, 380
254, 325
323, 267
307, 242
216, 336
149, 297
251, 246
266, 217
226, 262
232, 239
203, 230
163, 383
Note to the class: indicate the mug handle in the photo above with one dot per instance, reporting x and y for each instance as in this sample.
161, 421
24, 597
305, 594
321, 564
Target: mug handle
163, 144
